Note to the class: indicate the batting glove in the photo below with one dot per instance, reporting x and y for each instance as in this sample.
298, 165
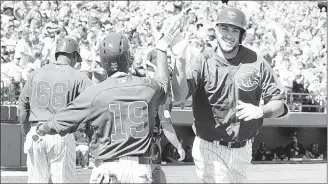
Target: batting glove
179, 50
248, 111
39, 129
170, 31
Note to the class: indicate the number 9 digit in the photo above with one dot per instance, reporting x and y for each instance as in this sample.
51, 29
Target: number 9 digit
138, 115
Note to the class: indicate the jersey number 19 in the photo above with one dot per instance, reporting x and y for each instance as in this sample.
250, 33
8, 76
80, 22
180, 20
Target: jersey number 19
137, 116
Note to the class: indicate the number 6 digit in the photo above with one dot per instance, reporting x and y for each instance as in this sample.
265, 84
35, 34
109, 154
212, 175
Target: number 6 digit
42, 93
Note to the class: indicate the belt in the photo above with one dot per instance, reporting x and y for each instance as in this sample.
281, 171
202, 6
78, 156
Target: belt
233, 144
140, 159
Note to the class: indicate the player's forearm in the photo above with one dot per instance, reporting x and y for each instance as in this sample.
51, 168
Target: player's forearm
24, 121
179, 82
162, 72
24, 112
274, 109
50, 128
57, 126
171, 135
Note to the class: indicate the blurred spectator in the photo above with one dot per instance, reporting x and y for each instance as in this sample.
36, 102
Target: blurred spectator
98, 73
189, 157
313, 152
293, 132
298, 83
23, 50
286, 38
33, 18
263, 154
309, 100
37, 59
279, 153
295, 149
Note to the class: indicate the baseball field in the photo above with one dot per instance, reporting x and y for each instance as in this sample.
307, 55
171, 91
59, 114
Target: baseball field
259, 173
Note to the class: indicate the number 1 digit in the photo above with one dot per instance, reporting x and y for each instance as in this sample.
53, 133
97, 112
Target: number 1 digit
118, 133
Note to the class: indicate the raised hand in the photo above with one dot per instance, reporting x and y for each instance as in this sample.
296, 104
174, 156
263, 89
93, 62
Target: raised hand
170, 30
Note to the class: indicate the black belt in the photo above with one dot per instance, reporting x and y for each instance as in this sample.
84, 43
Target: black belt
233, 144
142, 160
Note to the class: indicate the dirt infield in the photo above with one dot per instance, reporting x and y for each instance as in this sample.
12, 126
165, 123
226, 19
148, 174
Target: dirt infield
268, 173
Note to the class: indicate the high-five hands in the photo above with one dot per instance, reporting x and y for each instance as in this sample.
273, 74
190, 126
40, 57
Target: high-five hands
247, 111
169, 31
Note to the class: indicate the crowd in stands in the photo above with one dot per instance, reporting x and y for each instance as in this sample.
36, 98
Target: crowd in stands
291, 36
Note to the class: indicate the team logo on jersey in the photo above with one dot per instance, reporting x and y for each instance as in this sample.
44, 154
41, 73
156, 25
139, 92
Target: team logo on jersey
232, 15
248, 78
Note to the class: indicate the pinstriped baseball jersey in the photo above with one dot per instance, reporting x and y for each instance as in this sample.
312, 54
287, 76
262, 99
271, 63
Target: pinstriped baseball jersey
51, 88
47, 90
217, 84
119, 115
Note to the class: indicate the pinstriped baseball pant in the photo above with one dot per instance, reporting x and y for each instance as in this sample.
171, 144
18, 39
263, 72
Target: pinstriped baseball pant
219, 164
52, 159
126, 170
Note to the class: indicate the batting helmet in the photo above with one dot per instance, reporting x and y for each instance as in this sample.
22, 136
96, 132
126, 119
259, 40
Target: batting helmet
115, 53
232, 16
68, 45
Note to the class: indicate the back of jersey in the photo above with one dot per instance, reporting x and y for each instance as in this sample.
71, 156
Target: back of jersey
123, 116
52, 87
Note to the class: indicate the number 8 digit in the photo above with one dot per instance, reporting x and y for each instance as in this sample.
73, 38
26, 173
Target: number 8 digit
59, 95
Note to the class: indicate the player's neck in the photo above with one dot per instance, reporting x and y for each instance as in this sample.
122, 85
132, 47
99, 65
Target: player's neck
62, 60
119, 74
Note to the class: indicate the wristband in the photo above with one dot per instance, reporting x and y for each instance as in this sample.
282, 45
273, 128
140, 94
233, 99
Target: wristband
162, 46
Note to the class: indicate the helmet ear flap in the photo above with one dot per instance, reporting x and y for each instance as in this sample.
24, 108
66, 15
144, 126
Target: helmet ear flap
242, 36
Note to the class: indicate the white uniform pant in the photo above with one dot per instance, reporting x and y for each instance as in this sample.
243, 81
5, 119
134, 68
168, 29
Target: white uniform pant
53, 159
126, 170
219, 164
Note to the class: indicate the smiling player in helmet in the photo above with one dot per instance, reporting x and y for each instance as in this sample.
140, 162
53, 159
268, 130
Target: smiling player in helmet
226, 86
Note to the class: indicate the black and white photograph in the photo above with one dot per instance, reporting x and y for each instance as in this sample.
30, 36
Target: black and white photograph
164, 91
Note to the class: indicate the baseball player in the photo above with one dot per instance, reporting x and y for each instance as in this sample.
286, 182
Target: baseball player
118, 113
164, 125
48, 90
226, 86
